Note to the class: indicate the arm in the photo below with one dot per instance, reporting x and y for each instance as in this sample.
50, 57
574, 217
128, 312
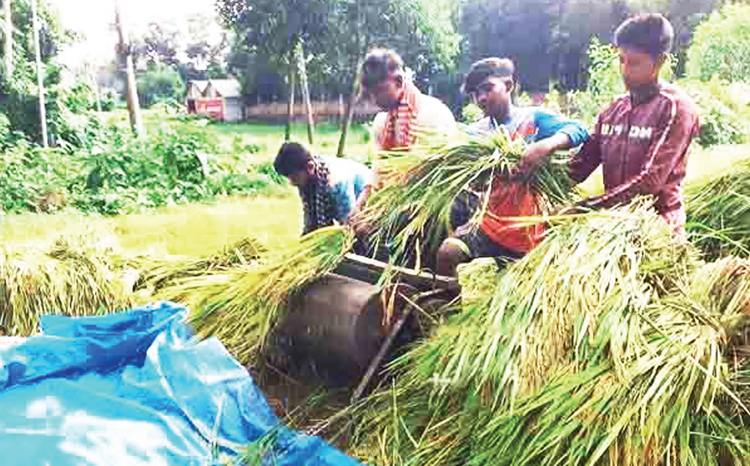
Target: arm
583, 163
378, 126
668, 147
306, 227
362, 189
554, 133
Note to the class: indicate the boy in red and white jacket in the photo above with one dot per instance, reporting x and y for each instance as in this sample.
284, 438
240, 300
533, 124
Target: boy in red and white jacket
643, 138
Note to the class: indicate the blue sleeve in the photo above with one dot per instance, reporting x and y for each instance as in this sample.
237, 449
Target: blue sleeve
363, 178
550, 124
344, 199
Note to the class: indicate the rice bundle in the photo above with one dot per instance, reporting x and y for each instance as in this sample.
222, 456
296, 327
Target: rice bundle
478, 278
597, 348
75, 277
242, 306
168, 272
421, 185
718, 213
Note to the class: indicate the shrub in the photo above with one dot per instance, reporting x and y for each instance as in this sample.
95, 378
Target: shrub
721, 111
721, 45
160, 83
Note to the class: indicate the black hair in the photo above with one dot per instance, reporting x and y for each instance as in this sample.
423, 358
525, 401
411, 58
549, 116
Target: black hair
292, 158
648, 33
485, 68
378, 65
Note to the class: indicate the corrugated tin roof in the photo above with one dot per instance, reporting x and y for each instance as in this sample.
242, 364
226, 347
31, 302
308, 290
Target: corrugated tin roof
226, 87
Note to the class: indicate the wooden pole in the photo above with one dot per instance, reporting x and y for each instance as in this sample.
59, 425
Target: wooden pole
302, 69
39, 74
290, 104
8, 38
134, 109
350, 104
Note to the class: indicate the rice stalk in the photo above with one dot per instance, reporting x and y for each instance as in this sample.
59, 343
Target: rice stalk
167, 272
718, 213
75, 277
421, 185
575, 302
242, 306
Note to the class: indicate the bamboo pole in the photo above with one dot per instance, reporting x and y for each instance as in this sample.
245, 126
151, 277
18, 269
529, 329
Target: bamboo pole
39, 75
132, 91
8, 38
302, 70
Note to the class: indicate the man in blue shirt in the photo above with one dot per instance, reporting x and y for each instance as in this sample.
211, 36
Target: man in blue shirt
330, 188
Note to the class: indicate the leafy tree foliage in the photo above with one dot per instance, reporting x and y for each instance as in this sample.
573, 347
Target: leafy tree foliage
721, 46
160, 82
336, 35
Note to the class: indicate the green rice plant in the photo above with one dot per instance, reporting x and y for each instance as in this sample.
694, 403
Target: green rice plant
167, 272
718, 213
420, 186
574, 304
242, 306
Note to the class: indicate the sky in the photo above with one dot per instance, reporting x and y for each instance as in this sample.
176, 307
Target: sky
94, 19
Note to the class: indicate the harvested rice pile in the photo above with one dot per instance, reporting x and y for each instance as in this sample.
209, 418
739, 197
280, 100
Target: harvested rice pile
607, 344
75, 276
243, 305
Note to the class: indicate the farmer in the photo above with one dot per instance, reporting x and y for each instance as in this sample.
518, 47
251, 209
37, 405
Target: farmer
406, 112
642, 139
490, 83
330, 188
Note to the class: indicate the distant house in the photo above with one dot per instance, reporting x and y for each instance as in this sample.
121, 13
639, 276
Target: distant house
217, 98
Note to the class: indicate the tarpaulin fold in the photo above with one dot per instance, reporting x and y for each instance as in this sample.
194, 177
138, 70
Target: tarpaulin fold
135, 388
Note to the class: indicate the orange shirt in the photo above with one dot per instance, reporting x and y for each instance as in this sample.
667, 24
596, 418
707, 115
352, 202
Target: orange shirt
510, 199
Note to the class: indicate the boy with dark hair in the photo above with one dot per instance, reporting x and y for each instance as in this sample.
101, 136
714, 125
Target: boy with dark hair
642, 139
490, 83
330, 188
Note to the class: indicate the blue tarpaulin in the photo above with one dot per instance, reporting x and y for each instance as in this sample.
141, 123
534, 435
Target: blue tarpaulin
135, 389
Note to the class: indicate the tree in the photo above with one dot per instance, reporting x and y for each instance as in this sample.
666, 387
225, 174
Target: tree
336, 35
278, 30
548, 39
8, 38
722, 46
197, 47
20, 90
159, 82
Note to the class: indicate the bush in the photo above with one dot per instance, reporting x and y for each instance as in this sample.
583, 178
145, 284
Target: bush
723, 115
160, 83
721, 45
29, 173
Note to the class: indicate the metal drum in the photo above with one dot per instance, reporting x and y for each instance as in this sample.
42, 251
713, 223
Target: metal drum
336, 325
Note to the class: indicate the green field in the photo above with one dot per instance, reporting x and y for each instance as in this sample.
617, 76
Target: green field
201, 229
266, 138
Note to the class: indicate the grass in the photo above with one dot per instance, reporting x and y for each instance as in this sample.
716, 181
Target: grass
262, 141
192, 230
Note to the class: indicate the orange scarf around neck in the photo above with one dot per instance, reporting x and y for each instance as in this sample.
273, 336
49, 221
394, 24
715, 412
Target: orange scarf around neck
398, 133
